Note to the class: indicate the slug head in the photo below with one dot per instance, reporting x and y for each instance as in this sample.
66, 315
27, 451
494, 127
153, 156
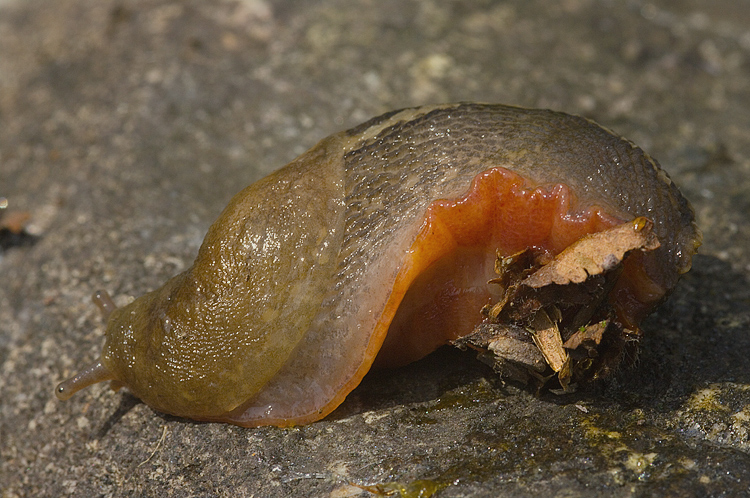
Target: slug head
204, 344
161, 347
166, 348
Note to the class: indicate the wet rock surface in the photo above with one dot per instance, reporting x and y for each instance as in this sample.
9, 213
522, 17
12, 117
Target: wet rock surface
126, 126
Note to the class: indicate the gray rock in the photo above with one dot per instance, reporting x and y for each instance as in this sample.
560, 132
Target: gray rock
126, 126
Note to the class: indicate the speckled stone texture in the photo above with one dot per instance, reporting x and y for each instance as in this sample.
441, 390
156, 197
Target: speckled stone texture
126, 126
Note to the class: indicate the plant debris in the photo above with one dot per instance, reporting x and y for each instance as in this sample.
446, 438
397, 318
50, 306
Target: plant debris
554, 320
13, 226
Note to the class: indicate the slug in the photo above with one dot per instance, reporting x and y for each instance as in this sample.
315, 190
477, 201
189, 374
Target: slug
376, 246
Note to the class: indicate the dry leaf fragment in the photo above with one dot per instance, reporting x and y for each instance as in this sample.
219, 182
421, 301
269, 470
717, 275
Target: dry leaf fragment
547, 338
511, 271
509, 350
12, 226
595, 254
521, 352
14, 221
508, 341
592, 333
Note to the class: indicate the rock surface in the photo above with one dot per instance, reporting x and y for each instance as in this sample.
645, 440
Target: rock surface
126, 126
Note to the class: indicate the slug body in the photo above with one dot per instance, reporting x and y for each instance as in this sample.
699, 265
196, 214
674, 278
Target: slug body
376, 245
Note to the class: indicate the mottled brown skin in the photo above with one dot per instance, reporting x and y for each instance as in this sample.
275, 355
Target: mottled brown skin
291, 295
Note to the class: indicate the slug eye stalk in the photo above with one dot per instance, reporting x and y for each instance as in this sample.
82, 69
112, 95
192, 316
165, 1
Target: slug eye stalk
92, 374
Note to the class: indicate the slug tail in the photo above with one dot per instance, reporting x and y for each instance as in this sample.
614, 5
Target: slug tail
94, 373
